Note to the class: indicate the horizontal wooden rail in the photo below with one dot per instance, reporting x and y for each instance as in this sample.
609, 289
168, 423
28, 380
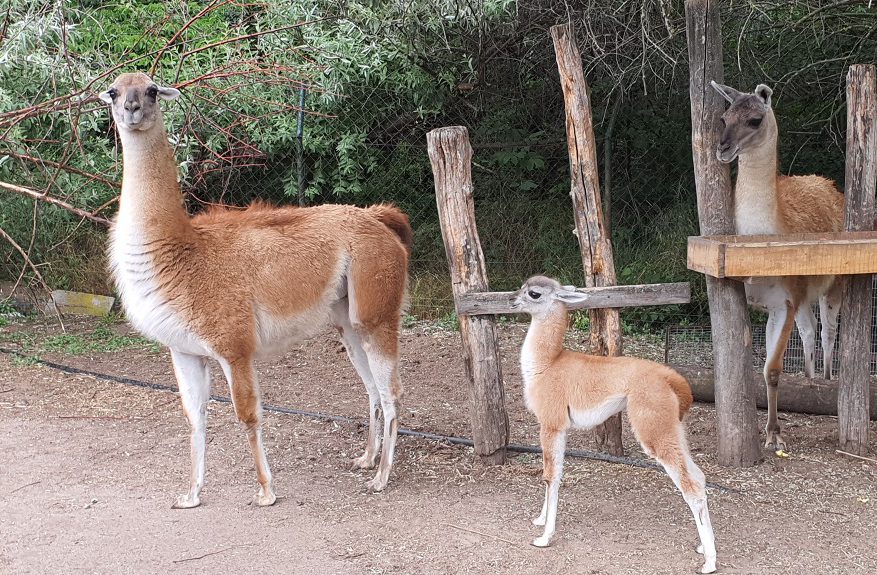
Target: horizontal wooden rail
487, 303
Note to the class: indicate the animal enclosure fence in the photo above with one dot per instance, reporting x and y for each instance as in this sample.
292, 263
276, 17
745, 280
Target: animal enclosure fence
520, 179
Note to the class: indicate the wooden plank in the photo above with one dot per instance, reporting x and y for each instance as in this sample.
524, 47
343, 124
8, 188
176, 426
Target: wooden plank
451, 157
484, 303
835, 237
855, 325
591, 230
736, 424
73, 302
801, 254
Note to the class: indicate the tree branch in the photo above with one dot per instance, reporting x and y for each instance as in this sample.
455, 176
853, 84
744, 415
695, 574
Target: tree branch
55, 202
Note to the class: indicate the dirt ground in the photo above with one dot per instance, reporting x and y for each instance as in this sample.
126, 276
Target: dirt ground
89, 469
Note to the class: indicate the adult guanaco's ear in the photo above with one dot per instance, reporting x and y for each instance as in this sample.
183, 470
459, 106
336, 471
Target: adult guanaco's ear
168, 93
105, 96
567, 294
727, 92
763, 92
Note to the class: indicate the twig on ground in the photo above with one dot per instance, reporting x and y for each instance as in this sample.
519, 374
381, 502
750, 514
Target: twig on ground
94, 417
871, 459
479, 533
23, 486
7, 390
209, 554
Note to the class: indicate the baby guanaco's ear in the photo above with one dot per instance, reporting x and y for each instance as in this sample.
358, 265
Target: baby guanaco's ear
568, 294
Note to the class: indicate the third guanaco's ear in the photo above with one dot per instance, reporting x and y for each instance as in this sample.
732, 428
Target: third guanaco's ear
727, 92
763, 92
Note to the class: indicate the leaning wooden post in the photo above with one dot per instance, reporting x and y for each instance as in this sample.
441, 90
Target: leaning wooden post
451, 157
594, 241
732, 333
855, 324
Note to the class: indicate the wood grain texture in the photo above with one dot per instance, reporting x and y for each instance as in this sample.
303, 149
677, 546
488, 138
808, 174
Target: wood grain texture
730, 256
591, 230
451, 157
855, 325
797, 394
732, 334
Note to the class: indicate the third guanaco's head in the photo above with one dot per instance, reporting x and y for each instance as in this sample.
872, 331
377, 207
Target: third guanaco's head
748, 124
133, 99
539, 294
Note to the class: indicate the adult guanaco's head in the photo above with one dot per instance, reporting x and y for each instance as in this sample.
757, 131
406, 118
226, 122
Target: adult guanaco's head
133, 99
539, 294
748, 124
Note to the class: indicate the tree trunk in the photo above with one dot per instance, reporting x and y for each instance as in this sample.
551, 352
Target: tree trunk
591, 231
732, 333
451, 157
855, 326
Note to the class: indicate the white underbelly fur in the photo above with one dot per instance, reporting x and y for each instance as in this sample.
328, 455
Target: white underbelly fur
588, 418
766, 292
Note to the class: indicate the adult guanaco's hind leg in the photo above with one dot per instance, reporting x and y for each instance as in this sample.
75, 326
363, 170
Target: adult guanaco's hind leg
245, 396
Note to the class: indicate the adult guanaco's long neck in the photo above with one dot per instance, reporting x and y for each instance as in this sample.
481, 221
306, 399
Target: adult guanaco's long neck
755, 194
544, 340
151, 197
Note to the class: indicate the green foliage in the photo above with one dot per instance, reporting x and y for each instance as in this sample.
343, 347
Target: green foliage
6, 307
100, 340
379, 75
449, 322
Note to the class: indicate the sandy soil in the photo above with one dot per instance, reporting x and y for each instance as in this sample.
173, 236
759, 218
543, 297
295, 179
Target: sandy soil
89, 469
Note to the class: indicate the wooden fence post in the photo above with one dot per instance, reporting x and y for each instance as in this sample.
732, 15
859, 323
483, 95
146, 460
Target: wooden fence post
855, 326
451, 157
732, 333
594, 241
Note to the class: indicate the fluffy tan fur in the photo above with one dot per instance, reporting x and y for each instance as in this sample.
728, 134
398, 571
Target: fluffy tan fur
566, 389
235, 285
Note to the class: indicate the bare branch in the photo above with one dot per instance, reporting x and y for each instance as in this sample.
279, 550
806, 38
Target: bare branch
55, 202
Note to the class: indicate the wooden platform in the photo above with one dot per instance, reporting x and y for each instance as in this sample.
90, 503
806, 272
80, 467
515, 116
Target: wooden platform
784, 255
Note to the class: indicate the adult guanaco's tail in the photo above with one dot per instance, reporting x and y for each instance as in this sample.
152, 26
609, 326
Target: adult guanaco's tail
396, 220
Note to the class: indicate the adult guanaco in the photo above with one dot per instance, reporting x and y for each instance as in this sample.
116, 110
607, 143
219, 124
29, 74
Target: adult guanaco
234, 285
766, 202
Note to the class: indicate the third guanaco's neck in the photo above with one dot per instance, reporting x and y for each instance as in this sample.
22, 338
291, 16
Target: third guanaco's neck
755, 194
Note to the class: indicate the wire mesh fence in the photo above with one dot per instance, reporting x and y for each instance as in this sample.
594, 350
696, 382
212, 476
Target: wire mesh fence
370, 92
691, 345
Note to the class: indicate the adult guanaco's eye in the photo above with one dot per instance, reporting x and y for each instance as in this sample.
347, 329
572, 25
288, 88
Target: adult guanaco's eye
753, 122
113, 93
152, 91
534, 294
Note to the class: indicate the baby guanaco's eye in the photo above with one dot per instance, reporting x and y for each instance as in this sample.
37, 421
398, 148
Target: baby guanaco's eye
113, 93
534, 294
753, 122
152, 91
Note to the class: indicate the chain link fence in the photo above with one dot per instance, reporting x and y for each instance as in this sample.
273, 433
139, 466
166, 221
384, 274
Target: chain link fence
526, 227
